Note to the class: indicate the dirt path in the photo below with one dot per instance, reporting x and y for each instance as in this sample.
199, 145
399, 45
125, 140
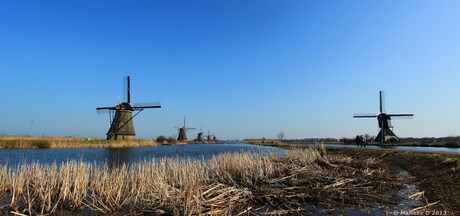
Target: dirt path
435, 174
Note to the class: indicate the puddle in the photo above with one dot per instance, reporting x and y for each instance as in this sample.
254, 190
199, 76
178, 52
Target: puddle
406, 203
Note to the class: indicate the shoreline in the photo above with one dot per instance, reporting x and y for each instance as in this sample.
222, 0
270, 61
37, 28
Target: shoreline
24, 142
27, 142
278, 143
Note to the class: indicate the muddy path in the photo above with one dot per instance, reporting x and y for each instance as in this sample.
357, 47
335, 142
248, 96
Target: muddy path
436, 176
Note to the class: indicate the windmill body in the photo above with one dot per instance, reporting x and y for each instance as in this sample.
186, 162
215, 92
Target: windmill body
210, 137
121, 124
183, 132
384, 121
199, 137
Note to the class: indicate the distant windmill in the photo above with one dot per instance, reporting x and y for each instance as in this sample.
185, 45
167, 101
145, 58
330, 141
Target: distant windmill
121, 124
210, 137
183, 132
384, 120
199, 137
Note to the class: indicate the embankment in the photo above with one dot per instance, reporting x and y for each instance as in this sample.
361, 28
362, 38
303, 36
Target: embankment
24, 142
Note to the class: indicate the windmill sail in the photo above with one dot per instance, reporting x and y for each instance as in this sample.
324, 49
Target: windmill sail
183, 132
384, 120
121, 125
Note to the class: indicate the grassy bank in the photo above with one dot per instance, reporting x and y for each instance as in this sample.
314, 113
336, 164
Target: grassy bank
306, 181
450, 143
24, 142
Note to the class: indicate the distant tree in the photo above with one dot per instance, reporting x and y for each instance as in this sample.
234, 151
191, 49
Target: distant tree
346, 140
280, 135
452, 141
161, 139
367, 137
171, 139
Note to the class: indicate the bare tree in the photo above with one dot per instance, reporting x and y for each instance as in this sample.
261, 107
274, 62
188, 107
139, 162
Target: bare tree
367, 137
280, 135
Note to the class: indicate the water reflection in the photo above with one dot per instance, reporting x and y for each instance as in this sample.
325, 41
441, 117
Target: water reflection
118, 156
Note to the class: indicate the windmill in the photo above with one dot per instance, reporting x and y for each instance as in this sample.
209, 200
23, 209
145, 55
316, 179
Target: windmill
210, 137
384, 120
121, 115
183, 132
199, 137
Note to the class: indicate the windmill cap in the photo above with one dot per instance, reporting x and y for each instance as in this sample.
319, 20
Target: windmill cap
124, 106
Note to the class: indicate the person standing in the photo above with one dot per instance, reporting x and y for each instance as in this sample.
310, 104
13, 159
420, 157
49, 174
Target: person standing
357, 141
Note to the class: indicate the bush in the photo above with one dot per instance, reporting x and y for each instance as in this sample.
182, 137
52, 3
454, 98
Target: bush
40, 144
171, 139
452, 142
161, 139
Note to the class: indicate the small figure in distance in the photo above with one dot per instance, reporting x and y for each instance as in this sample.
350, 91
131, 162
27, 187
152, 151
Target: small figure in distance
358, 141
363, 143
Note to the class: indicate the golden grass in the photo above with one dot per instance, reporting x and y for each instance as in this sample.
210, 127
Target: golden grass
24, 142
228, 184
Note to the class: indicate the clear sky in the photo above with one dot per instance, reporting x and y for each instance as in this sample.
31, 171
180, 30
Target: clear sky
242, 69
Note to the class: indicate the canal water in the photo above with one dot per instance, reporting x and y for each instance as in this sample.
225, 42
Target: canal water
204, 152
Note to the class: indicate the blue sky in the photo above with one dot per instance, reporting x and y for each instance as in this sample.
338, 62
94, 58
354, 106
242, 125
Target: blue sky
241, 69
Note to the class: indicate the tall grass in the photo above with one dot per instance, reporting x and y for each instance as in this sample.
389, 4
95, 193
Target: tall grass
24, 142
226, 185
243, 169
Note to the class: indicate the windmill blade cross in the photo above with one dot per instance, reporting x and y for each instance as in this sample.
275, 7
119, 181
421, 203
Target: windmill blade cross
127, 89
402, 116
365, 115
147, 105
396, 115
106, 108
382, 102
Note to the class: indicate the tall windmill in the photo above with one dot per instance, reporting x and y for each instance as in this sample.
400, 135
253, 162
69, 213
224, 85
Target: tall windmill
183, 132
121, 115
384, 121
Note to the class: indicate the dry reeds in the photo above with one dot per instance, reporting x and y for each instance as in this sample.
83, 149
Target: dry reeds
24, 142
243, 169
227, 184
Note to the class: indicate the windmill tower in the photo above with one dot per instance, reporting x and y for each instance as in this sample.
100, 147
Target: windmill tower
199, 137
183, 132
384, 121
121, 123
210, 137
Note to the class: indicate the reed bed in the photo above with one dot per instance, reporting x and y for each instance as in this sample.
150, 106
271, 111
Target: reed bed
24, 142
228, 184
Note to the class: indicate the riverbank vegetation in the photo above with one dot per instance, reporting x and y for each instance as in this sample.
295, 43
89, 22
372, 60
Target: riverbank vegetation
26, 142
304, 181
436, 175
449, 142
